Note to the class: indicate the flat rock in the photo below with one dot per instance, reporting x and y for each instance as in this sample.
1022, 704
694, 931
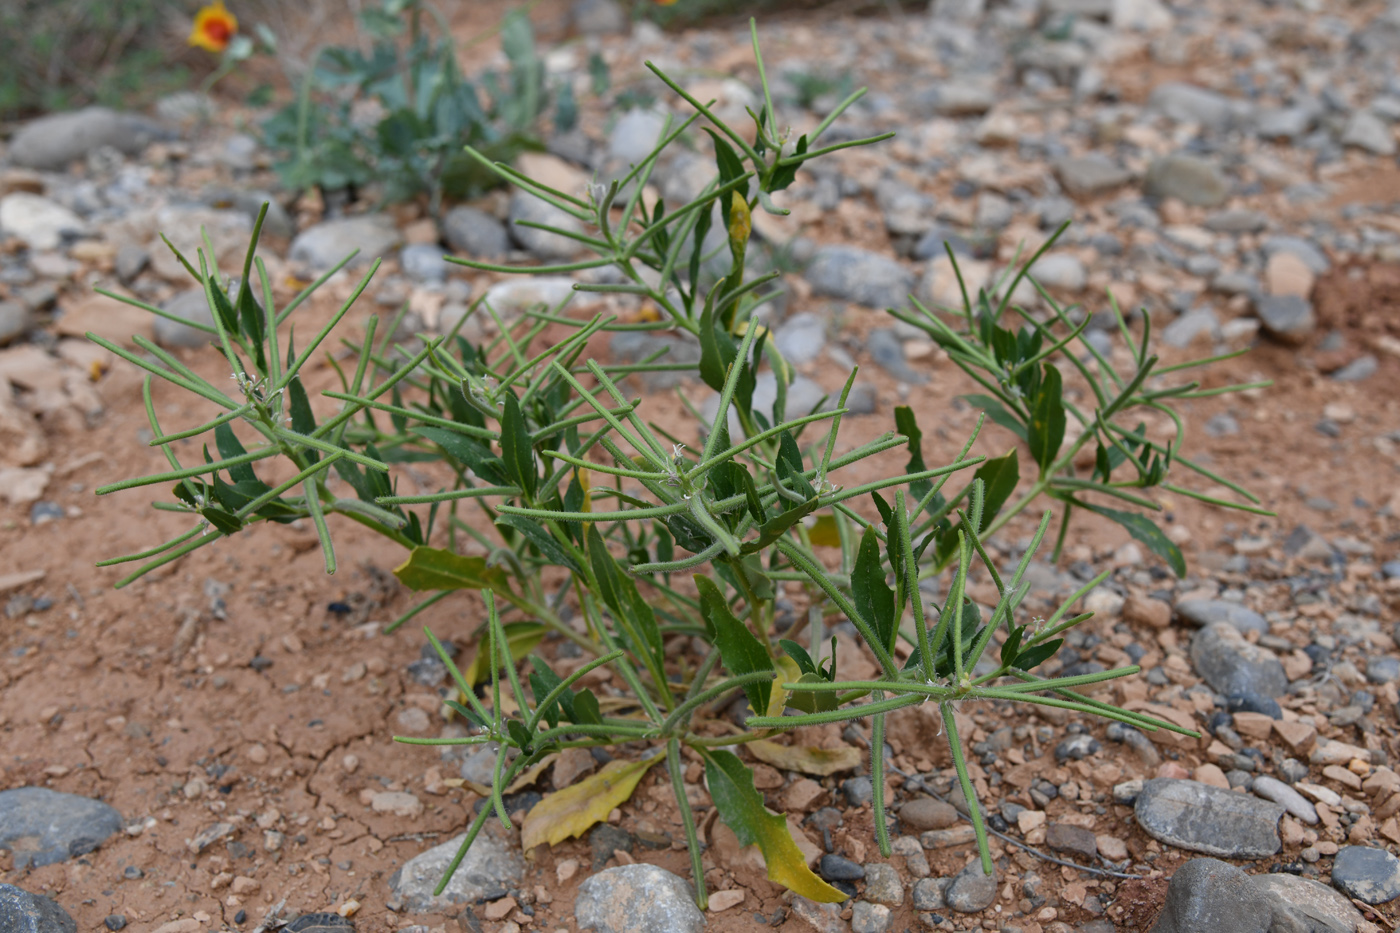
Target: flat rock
1089, 175
43, 827
513, 296
1288, 318
1367, 131
39, 222
525, 207
1187, 103
1296, 804
50, 143
1203, 612
190, 305
1369, 875
637, 899
1210, 896
1207, 819
493, 865
474, 232
330, 241
861, 276
971, 890
1313, 900
1192, 179
22, 912
1232, 665
925, 813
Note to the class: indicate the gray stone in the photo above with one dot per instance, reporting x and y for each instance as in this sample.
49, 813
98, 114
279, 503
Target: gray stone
635, 135
598, 17
908, 212
1061, 61
42, 827
1074, 840
1203, 612
1089, 175
1060, 270
525, 207
190, 305
1305, 249
50, 143
1289, 318
1236, 283
1367, 131
249, 202
823, 918
1313, 900
515, 295
1237, 220
1358, 370
132, 260
330, 241
423, 262
839, 868
22, 912
870, 918
1204, 818
1369, 875
474, 232
14, 321
885, 347
39, 222
1280, 793
1190, 327
492, 865
800, 338
957, 98
1285, 122
993, 211
1076, 747
1232, 665
637, 899
928, 893
1187, 103
1381, 669
861, 276
971, 890
1191, 179
957, 11
882, 885
1210, 896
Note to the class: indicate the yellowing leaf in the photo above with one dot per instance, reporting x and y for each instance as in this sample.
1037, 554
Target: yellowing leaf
740, 223
567, 813
824, 532
788, 672
522, 781
521, 639
585, 482
741, 808
818, 761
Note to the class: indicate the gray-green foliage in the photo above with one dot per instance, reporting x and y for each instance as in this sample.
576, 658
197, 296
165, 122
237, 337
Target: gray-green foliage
554, 465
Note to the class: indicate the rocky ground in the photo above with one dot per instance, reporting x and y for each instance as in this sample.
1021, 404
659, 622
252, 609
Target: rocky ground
211, 748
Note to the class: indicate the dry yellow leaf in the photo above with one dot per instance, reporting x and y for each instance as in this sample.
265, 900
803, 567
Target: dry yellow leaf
567, 813
522, 781
818, 761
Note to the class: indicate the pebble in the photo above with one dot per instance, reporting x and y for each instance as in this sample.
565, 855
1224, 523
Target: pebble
1358, 370
1090, 175
858, 791
23, 912
928, 893
839, 868
492, 866
1061, 271
870, 918
1288, 318
423, 262
1203, 612
1187, 103
475, 233
1194, 180
39, 222
52, 142
542, 243
888, 351
15, 321
1210, 896
882, 885
801, 338
1075, 840
635, 134
1286, 797
1367, 131
971, 889
598, 17
1076, 747
925, 813
637, 899
859, 275
1230, 664
327, 243
1369, 875
192, 304
55, 827
1207, 819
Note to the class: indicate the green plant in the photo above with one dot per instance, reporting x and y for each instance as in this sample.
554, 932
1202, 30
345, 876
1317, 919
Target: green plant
428, 110
675, 544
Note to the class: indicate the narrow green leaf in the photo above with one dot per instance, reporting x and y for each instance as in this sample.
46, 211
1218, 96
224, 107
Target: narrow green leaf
1145, 531
1038, 654
1047, 427
516, 449
536, 534
874, 599
741, 652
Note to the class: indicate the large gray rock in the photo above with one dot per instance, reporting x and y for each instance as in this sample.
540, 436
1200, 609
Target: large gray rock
635, 134
1289, 318
1313, 257
1089, 175
42, 827
492, 865
36, 220
1204, 818
189, 305
1187, 103
423, 262
1197, 181
1210, 896
1203, 612
1369, 875
1311, 906
1232, 665
50, 143
971, 889
525, 207
330, 241
1367, 131
22, 912
474, 232
861, 276
637, 899
14, 321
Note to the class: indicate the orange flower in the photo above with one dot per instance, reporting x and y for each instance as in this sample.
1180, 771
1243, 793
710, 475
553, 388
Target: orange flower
214, 26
